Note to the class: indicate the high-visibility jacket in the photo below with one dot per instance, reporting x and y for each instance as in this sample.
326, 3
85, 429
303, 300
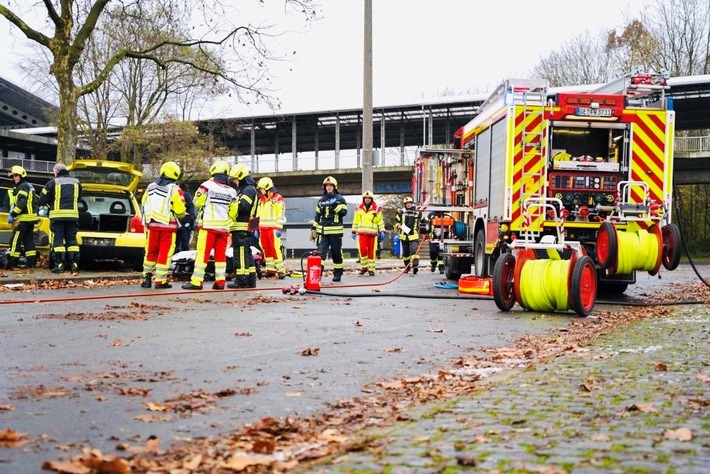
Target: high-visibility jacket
368, 219
212, 201
246, 206
163, 204
62, 195
411, 218
272, 211
25, 202
330, 211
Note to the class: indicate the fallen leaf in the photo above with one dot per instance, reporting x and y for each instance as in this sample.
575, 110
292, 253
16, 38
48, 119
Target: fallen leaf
681, 434
642, 407
661, 367
703, 377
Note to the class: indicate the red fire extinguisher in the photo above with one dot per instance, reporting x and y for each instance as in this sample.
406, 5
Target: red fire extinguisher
313, 272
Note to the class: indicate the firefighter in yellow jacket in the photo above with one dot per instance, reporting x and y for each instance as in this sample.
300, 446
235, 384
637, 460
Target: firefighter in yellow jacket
368, 229
23, 217
163, 205
213, 201
272, 215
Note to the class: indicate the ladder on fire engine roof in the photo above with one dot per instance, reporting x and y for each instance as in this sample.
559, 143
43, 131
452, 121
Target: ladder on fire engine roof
517, 90
638, 87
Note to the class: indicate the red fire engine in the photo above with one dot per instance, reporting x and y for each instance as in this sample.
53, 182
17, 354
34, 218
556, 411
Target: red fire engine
556, 194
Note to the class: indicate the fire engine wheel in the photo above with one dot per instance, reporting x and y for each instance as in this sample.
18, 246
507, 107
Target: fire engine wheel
583, 287
607, 246
451, 268
503, 273
479, 254
671, 246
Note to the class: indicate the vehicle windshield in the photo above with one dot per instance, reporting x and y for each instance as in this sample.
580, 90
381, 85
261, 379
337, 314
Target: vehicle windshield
103, 176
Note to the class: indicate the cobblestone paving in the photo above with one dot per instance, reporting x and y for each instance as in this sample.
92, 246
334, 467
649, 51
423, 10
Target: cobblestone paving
636, 401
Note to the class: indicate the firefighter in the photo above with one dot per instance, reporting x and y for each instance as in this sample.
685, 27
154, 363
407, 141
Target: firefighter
243, 219
23, 217
408, 221
213, 200
435, 234
328, 225
187, 223
368, 229
272, 215
62, 194
163, 205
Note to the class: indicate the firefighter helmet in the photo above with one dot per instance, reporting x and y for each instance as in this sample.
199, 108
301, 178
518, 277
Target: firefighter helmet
330, 180
18, 170
265, 183
368, 194
408, 199
239, 171
219, 167
170, 170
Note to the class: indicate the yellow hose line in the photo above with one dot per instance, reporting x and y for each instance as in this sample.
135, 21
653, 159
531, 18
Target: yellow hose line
543, 285
637, 251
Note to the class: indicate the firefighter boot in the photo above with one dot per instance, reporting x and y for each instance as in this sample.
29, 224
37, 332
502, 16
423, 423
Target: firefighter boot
337, 274
433, 267
251, 280
32, 261
441, 269
363, 271
74, 267
239, 282
147, 281
12, 262
58, 262
415, 267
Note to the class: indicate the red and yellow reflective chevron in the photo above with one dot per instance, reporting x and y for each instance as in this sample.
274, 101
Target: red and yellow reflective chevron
648, 151
528, 167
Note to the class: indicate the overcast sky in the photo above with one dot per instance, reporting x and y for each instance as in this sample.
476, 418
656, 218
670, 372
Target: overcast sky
420, 48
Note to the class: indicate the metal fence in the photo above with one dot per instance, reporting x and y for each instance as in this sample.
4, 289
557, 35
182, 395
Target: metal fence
345, 160
36, 166
692, 144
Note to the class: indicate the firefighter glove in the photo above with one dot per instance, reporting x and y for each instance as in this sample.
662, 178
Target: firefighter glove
314, 235
354, 235
278, 233
381, 236
10, 219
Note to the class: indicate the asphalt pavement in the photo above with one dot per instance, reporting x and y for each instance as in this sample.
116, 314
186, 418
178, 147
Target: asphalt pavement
83, 365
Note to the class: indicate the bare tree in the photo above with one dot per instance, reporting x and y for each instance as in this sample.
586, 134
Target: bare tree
237, 54
681, 33
581, 60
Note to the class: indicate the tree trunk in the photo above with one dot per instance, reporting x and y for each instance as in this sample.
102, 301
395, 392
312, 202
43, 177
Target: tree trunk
66, 123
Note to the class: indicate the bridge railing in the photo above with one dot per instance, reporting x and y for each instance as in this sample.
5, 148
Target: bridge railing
346, 159
35, 166
692, 144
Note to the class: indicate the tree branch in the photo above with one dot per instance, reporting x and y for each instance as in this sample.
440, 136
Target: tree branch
24, 27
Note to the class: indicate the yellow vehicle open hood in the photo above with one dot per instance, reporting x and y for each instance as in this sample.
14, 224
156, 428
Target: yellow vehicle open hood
105, 175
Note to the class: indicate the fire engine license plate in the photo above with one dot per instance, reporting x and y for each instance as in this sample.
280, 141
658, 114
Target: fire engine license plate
585, 112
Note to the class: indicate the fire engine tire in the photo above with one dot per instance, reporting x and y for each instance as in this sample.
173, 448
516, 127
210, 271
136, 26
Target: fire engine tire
583, 289
503, 273
451, 268
671, 246
479, 254
607, 246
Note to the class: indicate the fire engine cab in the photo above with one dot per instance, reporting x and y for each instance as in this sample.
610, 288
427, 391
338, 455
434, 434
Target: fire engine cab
556, 194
